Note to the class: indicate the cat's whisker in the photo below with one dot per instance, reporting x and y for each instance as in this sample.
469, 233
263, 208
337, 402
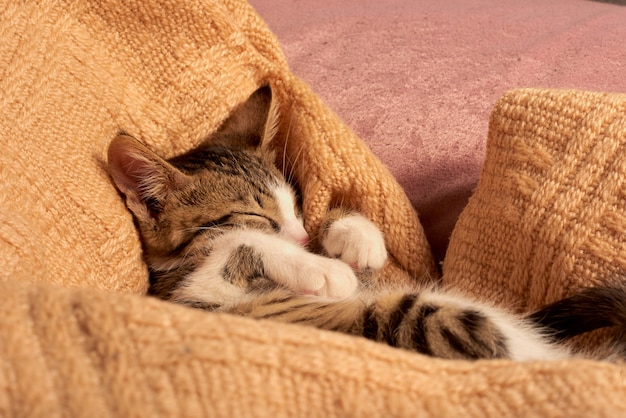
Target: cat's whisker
294, 163
222, 227
187, 254
236, 161
287, 135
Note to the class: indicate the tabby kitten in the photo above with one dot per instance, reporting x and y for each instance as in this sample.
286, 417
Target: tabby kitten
222, 230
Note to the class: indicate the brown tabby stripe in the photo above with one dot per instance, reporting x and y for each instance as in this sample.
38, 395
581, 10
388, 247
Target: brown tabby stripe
418, 336
396, 316
370, 323
473, 322
202, 305
316, 311
457, 344
244, 264
322, 320
227, 162
277, 302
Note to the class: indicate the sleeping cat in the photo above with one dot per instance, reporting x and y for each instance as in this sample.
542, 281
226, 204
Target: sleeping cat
222, 230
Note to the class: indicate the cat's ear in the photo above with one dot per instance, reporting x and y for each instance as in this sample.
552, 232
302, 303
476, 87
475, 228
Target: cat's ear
142, 176
253, 123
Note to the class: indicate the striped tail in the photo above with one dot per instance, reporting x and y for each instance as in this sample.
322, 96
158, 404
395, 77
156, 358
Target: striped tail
424, 322
590, 309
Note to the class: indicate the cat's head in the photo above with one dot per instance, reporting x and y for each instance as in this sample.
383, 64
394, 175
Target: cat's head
229, 180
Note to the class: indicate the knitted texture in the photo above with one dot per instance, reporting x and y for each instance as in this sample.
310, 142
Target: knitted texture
549, 214
75, 73
85, 353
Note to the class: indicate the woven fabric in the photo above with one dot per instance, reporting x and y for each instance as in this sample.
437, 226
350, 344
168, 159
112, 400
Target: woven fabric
75, 73
549, 214
72, 75
86, 353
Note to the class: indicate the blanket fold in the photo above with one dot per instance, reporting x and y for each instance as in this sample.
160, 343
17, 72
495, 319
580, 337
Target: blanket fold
90, 353
77, 338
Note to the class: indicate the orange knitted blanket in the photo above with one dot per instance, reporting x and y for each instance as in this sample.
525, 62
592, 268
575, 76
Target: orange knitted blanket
77, 338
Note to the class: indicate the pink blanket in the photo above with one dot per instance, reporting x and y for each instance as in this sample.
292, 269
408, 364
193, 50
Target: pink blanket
416, 79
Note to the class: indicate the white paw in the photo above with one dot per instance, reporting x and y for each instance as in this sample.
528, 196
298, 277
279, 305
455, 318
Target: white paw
325, 276
339, 279
357, 241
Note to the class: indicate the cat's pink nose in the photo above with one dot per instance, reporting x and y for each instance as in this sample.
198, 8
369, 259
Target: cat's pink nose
303, 240
300, 237
295, 232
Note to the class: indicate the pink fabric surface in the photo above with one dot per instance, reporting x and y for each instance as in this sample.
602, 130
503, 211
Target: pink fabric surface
417, 79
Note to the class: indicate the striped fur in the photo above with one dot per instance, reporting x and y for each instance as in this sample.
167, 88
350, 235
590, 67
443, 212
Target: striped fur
222, 231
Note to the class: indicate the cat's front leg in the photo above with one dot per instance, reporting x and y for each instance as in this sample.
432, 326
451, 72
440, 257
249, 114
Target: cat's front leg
239, 256
354, 239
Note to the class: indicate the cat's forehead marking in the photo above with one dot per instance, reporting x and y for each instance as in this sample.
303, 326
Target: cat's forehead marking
292, 227
285, 199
